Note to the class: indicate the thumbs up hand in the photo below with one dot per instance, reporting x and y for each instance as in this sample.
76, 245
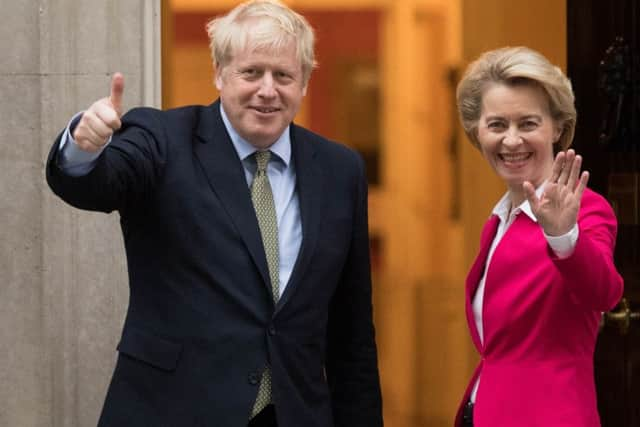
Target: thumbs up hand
102, 118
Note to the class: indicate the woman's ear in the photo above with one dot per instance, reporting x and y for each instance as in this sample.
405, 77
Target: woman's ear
557, 133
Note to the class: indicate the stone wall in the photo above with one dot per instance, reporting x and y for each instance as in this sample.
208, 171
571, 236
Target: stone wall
63, 286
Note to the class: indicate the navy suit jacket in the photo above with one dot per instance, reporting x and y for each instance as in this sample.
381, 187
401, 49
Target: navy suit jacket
201, 323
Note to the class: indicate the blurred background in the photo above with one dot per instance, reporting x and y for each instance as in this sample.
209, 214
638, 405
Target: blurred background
385, 86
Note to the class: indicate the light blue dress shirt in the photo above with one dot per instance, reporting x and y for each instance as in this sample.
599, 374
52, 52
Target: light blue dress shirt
280, 170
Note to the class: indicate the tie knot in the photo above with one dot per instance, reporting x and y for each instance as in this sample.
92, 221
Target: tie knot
262, 159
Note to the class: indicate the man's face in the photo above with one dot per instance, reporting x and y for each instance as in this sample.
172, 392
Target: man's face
261, 92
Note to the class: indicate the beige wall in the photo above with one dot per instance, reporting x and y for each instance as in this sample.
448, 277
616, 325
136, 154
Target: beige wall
418, 295
63, 288
489, 24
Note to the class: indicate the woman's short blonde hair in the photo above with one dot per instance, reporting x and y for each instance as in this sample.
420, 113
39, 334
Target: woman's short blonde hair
261, 25
515, 66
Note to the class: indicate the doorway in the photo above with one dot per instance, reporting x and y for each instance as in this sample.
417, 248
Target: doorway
604, 66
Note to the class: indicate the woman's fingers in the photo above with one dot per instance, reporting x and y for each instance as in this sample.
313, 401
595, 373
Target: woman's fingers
584, 179
557, 167
530, 194
566, 170
574, 174
566, 167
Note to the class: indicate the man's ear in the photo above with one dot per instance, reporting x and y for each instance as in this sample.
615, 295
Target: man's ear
219, 79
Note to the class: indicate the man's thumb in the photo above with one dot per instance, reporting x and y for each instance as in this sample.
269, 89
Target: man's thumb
117, 90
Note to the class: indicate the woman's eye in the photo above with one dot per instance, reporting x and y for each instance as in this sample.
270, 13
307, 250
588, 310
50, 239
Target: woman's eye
529, 124
495, 125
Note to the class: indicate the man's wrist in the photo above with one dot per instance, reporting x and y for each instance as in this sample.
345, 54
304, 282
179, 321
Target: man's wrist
73, 160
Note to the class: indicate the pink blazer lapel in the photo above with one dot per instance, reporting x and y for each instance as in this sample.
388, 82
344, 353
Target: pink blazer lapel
473, 278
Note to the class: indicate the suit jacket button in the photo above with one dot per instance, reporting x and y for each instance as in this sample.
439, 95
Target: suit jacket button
272, 330
254, 378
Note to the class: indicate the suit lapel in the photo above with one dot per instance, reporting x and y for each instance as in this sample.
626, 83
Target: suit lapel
309, 186
473, 278
225, 173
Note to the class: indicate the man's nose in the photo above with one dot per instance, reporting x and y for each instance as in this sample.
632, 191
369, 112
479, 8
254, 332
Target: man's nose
267, 85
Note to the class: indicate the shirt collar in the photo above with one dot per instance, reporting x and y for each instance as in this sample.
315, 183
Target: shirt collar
281, 148
501, 209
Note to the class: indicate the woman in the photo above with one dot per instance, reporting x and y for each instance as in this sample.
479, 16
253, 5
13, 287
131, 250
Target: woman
545, 272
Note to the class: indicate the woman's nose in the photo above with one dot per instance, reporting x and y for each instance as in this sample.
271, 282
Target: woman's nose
512, 138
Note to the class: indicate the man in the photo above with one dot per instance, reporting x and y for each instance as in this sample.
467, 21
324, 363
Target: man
246, 240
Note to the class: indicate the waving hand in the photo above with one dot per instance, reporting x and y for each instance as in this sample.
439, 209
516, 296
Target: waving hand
557, 207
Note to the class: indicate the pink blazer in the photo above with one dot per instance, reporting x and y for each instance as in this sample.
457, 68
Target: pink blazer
540, 319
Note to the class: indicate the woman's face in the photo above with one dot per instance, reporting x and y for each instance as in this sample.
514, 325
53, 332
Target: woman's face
516, 133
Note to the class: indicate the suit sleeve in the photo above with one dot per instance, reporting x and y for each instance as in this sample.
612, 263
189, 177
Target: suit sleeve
124, 174
589, 272
351, 365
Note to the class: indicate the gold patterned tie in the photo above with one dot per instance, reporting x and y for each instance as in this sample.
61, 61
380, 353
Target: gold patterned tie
262, 199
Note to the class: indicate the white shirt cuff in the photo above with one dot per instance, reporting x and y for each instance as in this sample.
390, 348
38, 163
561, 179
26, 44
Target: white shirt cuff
72, 160
563, 246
